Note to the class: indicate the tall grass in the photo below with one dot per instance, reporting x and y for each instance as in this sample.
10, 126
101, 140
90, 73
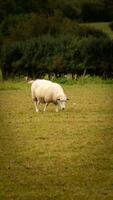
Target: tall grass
20, 83
82, 80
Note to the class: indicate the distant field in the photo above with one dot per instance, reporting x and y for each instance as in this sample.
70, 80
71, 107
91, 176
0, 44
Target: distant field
104, 26
56, 156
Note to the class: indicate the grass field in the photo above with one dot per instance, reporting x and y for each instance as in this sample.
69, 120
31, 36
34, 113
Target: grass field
103, 26
56, 156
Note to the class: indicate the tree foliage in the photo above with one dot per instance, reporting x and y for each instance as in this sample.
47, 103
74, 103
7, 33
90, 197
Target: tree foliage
45, 37
89, 10
58, 55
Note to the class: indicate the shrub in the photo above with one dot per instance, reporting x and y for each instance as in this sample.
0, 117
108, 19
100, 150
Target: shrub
58, 55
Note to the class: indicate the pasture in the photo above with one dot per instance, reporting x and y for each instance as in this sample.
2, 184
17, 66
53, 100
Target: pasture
56, 156
103, 26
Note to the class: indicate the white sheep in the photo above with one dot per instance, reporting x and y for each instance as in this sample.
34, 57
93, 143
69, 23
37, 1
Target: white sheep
45, 91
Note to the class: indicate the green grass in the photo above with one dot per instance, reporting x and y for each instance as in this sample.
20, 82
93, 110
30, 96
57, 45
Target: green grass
56, 156
82, 80
103, 26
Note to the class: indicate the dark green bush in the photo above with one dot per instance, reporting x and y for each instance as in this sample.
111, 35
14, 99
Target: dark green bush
27, 26
58, 55
94, 11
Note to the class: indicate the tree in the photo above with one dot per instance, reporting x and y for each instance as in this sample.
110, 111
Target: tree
6, 7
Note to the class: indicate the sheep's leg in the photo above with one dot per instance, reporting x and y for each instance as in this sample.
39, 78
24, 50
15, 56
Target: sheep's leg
45, 107
36, 102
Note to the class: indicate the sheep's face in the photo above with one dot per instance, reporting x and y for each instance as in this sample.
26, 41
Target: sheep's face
62, 102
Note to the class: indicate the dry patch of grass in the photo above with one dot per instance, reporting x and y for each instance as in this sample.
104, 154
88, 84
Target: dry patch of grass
103, 26
65, 155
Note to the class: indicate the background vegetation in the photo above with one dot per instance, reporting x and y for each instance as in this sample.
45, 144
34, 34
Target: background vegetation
57, 38
39, 37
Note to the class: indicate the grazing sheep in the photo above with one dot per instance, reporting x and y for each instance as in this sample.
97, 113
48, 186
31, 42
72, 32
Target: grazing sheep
45, 91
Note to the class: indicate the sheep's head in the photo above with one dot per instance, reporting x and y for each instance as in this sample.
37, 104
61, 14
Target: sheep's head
62, 102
